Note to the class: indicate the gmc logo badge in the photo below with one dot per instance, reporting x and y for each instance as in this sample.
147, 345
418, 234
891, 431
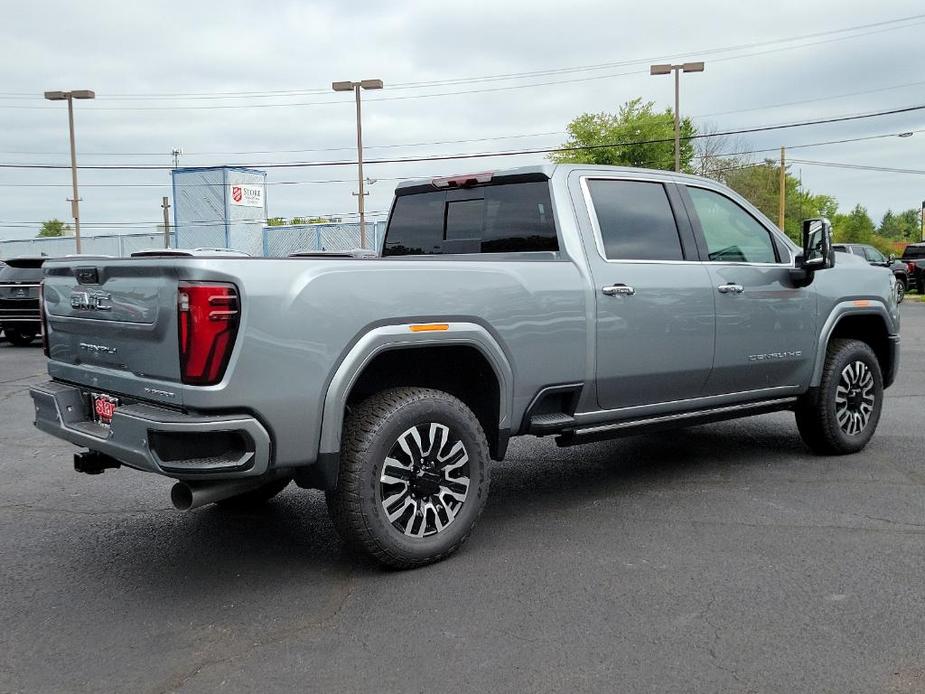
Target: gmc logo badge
85, 301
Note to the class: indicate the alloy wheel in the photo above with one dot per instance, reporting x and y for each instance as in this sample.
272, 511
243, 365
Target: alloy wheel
854, 398
425, 480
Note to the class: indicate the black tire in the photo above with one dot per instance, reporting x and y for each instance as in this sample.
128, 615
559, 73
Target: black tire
18, 338
837, 423
428, 519
254, 499
900, 291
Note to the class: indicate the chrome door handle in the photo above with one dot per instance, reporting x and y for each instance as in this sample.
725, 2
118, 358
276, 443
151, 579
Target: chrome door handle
617, 290
731, 288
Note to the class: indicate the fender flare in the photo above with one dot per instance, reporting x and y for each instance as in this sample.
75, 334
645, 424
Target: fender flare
399, 336
846, 308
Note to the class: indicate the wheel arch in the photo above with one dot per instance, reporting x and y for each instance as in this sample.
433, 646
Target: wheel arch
384, 357
867, 321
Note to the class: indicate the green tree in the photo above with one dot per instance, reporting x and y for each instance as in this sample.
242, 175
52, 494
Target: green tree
760, 185
902, 226
635, 122
276, 221
308, 220
54, 227
854, 227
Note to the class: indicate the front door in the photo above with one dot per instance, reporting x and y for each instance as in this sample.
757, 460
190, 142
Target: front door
765, 326
654, 300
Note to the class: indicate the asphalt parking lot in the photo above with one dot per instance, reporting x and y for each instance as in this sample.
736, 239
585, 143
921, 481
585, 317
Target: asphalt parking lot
719, 558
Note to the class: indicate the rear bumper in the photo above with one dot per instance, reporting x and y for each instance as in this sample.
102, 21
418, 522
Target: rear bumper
155, 439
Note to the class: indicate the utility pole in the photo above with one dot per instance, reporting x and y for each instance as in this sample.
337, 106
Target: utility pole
782, 194
165, 205
175, 153
75, 200
923, 220
355, 87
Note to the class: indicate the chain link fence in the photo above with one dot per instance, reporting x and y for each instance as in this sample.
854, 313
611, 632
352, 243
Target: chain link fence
280, 241
276, 241
111, 244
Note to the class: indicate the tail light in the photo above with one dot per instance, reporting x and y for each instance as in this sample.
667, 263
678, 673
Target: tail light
208, 316
44, 319
910, 267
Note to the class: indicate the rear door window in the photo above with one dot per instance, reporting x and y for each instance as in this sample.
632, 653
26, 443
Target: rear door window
635, 220
500, 218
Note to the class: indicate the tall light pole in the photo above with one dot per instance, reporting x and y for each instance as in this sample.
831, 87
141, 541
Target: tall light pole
75, 201
665, 69
355, 87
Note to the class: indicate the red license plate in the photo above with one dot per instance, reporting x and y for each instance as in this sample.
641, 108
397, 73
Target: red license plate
104, 407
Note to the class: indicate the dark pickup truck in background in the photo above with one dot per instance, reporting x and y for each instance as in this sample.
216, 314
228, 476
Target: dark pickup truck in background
914, 259
20, 279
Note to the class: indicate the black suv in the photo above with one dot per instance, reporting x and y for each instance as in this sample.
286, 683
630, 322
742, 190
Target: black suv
20, 319
875, 257
914, 259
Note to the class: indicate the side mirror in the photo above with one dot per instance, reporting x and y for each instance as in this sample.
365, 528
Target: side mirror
891, 258
817, 245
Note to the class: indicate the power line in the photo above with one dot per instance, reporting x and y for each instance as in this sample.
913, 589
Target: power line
862, 167
409, 178
885, 25
506, 153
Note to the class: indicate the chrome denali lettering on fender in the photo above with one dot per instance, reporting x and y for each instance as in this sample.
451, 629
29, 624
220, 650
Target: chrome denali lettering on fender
796, 354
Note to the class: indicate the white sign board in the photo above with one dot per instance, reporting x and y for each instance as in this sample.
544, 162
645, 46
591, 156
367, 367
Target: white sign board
245, 194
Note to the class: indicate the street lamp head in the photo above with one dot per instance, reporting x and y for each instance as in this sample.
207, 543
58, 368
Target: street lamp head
661, 69
75, 94
692, 67
371, 84
342, 86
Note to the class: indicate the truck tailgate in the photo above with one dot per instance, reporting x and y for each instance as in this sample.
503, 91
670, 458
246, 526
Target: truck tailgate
113, 316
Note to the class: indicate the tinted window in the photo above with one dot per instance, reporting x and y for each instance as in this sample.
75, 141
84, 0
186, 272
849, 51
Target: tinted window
912, 252
464, 219
731, 233
518, 217
496, 219
858, 251
636, 220
8, 273
416, 225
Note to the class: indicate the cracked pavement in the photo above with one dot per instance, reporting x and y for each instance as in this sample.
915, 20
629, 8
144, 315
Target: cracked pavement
719, 558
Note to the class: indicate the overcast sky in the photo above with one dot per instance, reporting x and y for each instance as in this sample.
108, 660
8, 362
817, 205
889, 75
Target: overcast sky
134, 54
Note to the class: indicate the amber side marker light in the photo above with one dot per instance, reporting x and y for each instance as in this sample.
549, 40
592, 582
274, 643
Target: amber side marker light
428, 327
861, 303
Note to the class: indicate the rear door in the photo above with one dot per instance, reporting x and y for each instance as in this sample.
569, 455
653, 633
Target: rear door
765, 326
654, 301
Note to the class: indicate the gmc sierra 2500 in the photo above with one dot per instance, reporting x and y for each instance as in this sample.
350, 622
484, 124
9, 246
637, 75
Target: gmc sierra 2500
575, 301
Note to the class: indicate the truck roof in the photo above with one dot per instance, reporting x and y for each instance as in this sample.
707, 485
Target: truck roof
547, 170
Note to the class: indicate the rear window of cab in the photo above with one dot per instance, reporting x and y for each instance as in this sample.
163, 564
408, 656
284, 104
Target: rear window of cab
499, 218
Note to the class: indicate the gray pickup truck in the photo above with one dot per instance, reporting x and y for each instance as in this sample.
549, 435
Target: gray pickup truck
574, 301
